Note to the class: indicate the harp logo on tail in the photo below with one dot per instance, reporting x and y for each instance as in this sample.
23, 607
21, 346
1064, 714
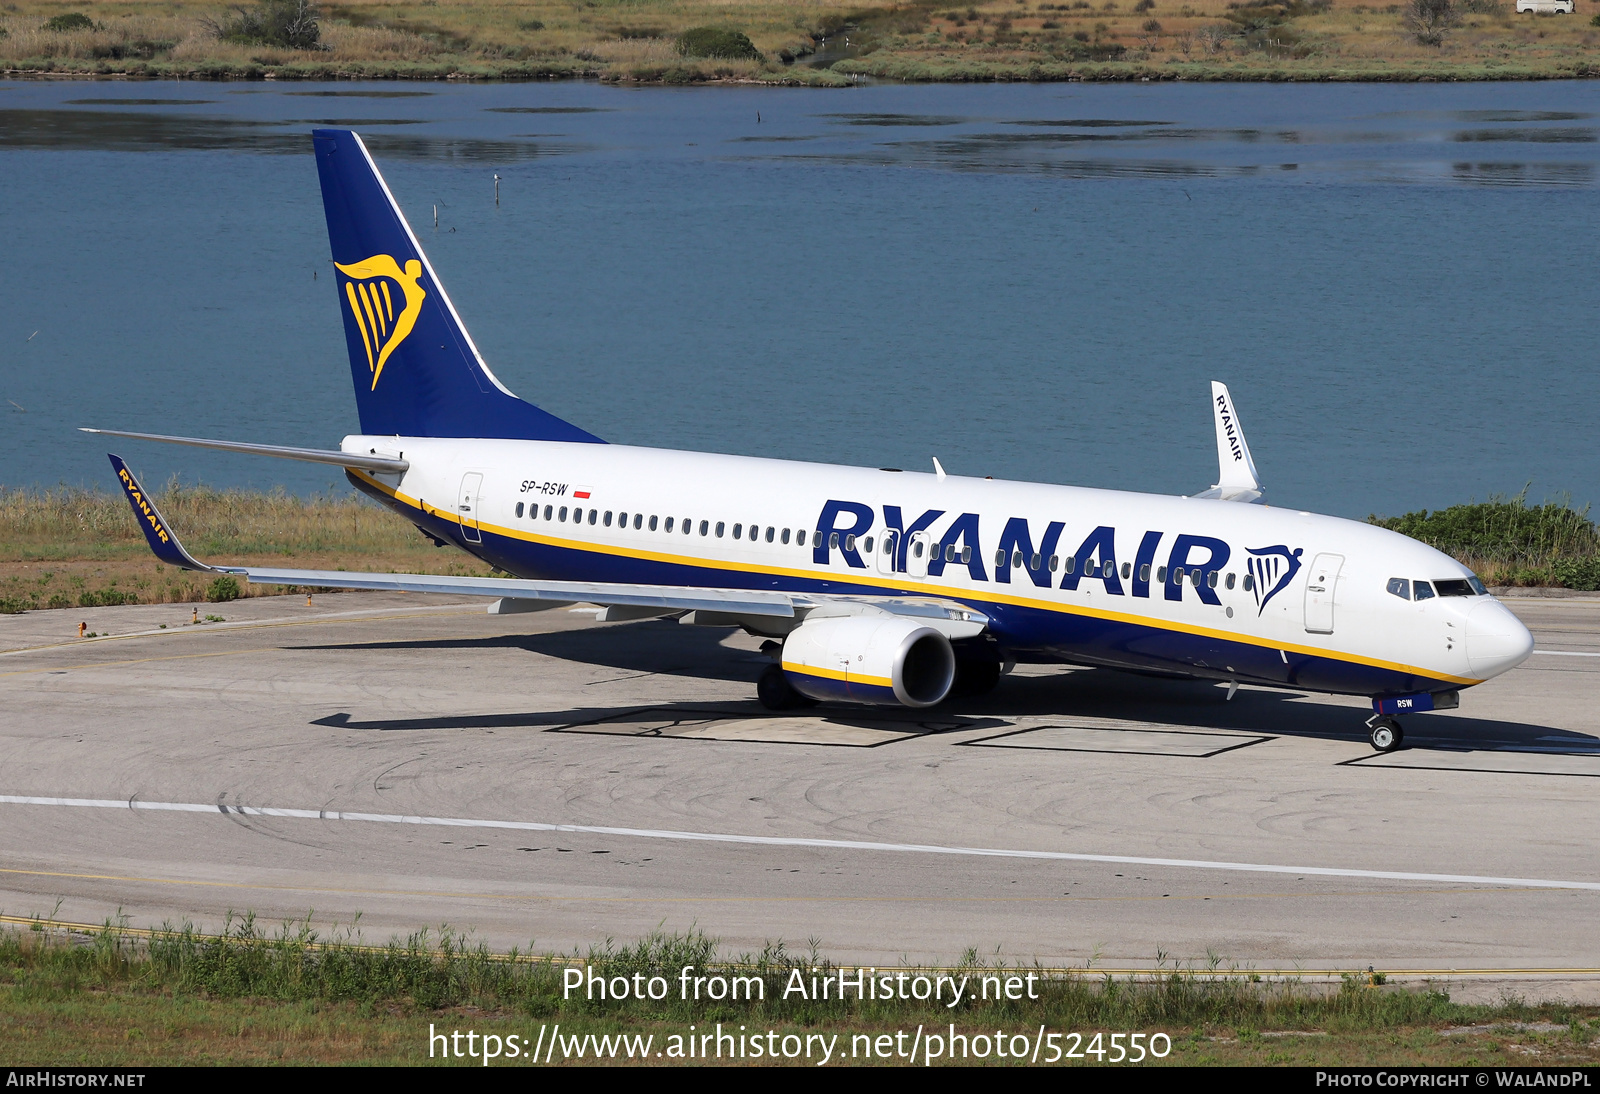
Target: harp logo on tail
385, 302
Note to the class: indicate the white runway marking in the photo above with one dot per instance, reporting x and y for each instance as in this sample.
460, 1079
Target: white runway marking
787, 841
1566, 653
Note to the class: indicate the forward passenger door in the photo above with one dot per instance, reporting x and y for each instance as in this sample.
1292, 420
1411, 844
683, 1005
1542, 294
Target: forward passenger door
1321, 583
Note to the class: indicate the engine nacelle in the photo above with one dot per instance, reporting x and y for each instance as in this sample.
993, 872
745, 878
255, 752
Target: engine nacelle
869, 659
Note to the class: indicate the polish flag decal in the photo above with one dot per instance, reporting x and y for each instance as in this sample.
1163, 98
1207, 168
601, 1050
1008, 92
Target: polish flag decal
581, 492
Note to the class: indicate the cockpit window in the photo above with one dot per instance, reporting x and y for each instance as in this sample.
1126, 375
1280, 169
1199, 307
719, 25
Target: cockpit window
1423, 590
1455, 587
1477, 586
1399, 586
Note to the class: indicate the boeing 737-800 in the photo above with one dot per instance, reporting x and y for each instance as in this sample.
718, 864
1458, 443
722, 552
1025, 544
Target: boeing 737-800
873, 585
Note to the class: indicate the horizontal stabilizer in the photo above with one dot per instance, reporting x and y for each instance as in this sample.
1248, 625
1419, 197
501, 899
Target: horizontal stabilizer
381, 464
1236, 470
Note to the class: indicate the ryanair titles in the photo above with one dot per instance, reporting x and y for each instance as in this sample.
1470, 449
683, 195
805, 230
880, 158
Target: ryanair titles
1028, 552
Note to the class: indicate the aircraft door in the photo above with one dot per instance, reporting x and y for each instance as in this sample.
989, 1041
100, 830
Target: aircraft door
467, 507
891, 540
1321, 583
917, 555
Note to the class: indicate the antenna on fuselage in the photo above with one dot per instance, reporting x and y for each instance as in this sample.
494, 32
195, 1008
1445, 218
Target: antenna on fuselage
938, 468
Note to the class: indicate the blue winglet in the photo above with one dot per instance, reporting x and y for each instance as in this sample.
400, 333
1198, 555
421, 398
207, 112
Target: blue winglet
161, 538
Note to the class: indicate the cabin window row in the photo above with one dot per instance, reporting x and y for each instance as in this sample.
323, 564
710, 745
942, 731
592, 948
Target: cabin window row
1195, 575
612, 518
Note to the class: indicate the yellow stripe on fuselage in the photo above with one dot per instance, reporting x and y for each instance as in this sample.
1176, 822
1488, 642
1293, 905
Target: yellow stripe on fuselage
945, 592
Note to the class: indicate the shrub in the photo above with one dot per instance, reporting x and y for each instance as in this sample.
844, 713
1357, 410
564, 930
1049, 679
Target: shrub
1427, 20
1151, 26
104, 598
291, 24
1578, 573
1145, 5
72, 20
718, 42
530, 24
222, 589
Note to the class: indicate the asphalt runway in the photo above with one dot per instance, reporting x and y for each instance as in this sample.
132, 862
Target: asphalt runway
605, 780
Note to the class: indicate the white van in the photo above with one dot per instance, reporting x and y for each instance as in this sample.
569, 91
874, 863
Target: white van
1551, 7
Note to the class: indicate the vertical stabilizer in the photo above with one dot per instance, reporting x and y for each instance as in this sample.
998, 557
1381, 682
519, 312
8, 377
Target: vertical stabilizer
416, 371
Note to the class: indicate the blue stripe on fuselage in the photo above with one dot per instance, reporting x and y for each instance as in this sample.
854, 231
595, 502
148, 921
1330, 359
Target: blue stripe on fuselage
1028, 633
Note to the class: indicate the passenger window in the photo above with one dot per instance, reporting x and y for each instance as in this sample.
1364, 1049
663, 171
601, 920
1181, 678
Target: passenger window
1399, 586
519, 509
785, 536
547, 513
950, 552
638, 521
1421, 590
1055, 561
1161, 575
688, 525
800, 536
1452, 587
1034, 562
721, 527
594, 515
608, 518
755, 532
999, 559
770, 532
622, 520
1249, 582
1211, 580
653, 523
866, 545
738, 531
916, 548
669, 524
1127, 571
1069, 564
966, 555
1144, 573
1230, 581
705, 527
1016, 560
849, 543
1194, 577
563, 514
833, 540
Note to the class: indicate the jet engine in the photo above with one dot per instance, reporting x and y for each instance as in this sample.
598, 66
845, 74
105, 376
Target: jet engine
869, 659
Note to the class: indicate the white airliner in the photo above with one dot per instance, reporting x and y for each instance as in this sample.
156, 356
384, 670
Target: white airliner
875, 585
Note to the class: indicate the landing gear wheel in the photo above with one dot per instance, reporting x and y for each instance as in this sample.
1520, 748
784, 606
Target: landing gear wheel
775, 693
1386, 735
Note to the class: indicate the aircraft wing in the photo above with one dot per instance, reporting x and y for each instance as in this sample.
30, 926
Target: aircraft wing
710, 605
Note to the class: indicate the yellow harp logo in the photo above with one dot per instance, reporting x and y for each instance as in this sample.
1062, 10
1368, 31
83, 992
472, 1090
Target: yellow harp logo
373, 302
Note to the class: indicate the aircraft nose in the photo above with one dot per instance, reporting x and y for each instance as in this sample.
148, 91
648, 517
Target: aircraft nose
1496, 639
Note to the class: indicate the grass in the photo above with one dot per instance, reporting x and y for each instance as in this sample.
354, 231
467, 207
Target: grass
114, 996
1506, 541
81, 548
637, 41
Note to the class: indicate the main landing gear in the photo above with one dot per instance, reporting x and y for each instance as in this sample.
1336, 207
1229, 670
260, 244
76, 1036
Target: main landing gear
775, 693
1386, 733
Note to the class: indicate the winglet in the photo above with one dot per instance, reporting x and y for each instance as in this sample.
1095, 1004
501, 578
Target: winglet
161, 537
1236, 474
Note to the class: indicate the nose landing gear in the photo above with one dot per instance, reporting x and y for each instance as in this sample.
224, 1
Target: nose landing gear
1386, 733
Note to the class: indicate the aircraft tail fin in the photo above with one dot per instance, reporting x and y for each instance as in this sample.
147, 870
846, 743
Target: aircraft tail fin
1236, 472
416, 370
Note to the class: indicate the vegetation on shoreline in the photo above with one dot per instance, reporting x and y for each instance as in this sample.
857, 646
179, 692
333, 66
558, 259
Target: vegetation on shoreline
175, 995
689, 41
71, 548
1506, 541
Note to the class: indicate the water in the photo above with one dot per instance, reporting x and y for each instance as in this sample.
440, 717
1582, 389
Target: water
1030, 282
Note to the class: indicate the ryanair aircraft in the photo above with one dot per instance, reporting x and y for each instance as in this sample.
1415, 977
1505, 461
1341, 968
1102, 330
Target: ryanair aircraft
873, 585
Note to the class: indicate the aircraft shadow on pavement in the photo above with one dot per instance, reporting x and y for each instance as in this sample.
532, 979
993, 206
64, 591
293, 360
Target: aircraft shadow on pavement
656, 647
